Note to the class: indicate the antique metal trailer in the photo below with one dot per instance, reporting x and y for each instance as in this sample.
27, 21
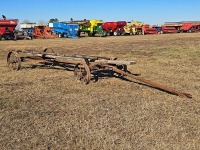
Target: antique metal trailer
85, 68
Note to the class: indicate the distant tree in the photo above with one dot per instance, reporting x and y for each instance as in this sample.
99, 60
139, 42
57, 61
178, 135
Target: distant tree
42, 22
26, 21
53, 20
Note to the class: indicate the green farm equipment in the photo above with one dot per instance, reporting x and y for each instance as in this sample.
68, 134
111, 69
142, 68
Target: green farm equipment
91, 27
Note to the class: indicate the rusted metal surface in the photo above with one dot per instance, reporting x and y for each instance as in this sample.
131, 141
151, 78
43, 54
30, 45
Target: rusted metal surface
156, 85
13, 60
85, 67
82, 72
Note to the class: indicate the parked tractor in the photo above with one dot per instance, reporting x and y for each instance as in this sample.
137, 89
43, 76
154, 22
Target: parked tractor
65, 29
7, 28
91, 27
114, 28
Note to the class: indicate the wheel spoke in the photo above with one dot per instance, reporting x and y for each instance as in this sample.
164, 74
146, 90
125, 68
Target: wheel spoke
82, 73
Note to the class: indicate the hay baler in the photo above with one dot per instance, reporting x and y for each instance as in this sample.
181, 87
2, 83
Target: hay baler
65, 29
114, 28
7, 28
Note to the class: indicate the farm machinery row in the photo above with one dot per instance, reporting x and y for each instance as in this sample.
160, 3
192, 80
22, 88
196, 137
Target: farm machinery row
179, 27
75, 28
29, 30
85, 68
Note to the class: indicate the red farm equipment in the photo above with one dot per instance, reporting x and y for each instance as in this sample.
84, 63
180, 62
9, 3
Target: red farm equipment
147, 29
166, 29
43, 32
169, 27
190, 27
172, 27
114, 28
7, 28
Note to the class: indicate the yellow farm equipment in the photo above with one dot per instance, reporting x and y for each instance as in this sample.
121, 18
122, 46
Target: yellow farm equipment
138, 28
134, 28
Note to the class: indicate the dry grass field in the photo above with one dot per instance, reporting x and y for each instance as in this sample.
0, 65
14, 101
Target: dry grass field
45, 108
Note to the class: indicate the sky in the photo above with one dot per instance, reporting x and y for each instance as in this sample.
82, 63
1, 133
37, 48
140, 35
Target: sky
147, 11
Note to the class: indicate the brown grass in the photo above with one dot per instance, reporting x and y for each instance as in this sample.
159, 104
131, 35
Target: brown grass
47, 109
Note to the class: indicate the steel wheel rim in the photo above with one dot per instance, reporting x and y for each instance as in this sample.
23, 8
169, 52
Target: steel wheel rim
13, 60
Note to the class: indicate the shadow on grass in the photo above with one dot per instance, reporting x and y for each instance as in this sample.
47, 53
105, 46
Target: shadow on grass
96, 74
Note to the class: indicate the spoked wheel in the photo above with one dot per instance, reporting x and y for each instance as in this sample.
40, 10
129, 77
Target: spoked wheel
82, 72
13, 60
123, 68
48, 50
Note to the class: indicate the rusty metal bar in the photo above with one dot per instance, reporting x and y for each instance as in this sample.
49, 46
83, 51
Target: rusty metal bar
156, 85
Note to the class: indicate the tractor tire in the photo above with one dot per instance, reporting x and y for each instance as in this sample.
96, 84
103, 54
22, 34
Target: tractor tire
31, 37
94, 34
104, 33
0, 37
78, 33
59, 35
15, 37
91, 34
111, 33
124, 33
115, 33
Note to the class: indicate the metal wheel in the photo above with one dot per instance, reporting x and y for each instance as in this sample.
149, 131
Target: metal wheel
104, 33
13, 60
124, 33
115, 33
59, 35
123, 68
82, 72
48, 50
15, 37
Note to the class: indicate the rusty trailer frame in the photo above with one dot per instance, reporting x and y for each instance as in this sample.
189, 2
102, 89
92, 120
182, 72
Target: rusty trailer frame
84, 67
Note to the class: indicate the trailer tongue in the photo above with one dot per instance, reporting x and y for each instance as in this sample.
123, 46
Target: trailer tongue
85, 67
